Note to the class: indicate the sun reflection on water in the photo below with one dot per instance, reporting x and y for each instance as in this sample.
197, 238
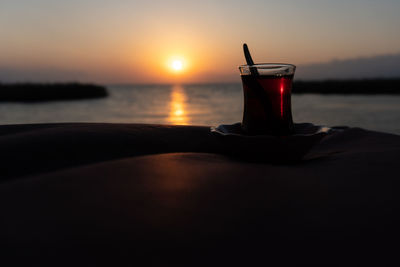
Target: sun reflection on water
177, 106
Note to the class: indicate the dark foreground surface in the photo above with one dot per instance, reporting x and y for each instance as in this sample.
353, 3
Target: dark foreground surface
148, 195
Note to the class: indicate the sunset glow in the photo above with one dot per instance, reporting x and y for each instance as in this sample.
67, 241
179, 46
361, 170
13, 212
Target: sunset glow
172, 42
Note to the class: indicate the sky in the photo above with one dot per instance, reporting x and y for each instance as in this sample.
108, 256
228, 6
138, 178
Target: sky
137, 41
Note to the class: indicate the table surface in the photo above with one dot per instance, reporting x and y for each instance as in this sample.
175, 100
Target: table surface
168, 195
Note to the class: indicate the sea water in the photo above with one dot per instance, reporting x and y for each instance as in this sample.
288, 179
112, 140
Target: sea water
205, 104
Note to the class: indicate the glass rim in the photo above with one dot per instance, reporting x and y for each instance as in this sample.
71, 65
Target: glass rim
266, 65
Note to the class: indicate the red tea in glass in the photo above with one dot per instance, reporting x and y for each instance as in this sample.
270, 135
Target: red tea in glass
267, 93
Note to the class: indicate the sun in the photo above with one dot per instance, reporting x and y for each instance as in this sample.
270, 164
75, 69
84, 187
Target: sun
177, 65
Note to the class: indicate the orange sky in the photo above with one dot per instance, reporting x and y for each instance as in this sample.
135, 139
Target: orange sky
117, 41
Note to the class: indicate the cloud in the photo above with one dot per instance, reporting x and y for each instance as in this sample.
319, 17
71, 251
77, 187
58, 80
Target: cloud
384, 66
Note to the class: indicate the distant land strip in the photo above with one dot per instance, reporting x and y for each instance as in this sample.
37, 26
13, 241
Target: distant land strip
367, 86
36, 92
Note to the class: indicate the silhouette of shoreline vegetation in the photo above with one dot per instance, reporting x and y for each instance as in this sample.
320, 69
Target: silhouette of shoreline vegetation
367, 86
35, 92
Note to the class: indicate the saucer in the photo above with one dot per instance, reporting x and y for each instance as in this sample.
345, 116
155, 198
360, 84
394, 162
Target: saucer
268, 148
300, 129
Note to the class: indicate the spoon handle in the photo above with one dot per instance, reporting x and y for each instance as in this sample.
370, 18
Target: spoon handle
254, 83
249, 59
247, 55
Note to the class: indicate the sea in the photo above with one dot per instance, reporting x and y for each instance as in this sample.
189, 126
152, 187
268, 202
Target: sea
204, 104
